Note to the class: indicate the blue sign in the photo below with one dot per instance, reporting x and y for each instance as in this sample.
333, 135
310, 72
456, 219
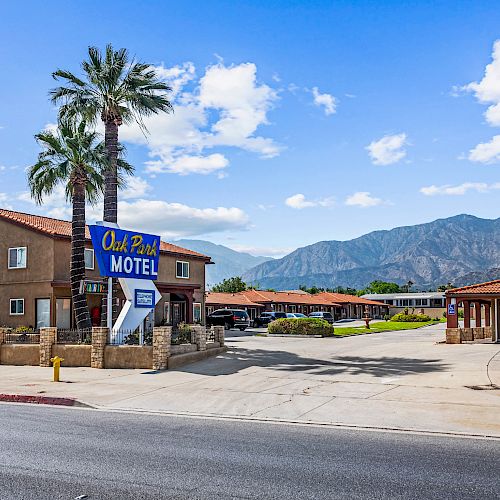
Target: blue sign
125, 254
144, 298
451, 309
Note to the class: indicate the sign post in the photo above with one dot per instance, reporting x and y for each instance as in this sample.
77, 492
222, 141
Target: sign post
133, 258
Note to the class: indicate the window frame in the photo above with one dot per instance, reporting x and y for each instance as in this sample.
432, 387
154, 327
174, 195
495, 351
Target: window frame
25, 258
182, 262
10, 307
93, 259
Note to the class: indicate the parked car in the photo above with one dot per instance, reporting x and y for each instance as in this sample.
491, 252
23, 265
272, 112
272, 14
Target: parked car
295, 315
322, 315
266, 317
229, 318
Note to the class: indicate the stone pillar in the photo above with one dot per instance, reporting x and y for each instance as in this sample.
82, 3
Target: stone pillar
200, 334
453, 336
477, 313
47, 338
466, 314
3, 334
99, 341
487, 315
162, 336
219, 334
451, 319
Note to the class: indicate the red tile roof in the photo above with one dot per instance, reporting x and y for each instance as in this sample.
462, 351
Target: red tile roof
343, 298
229, 299
62, 229
260, 297
489, 288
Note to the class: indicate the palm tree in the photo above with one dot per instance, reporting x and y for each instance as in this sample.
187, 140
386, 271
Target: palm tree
74, 157
116, 90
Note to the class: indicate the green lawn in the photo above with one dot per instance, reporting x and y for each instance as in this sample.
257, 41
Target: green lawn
382, 326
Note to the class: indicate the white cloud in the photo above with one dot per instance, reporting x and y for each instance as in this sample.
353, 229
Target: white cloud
224, 108
4, 201
175, 220
461, 189
263, 251
387, 150
185, 165
136, 188
169, 220
327, 101
298, 201
363, 199
487, 91
486, 152
176, 76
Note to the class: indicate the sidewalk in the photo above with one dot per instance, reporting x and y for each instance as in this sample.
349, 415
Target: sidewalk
402, 380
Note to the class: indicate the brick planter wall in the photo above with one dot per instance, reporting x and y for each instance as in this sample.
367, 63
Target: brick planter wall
99, 339
47, 338
161, 346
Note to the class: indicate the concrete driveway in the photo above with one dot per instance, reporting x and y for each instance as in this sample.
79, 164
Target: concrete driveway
397, 380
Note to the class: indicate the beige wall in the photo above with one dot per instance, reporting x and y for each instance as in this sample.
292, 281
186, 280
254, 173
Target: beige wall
39, 263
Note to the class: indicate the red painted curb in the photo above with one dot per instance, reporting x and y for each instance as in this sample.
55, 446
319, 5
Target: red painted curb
39, 400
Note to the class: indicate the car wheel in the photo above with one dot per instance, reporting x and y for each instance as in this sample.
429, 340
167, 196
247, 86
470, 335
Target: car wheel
227, 326
242, 328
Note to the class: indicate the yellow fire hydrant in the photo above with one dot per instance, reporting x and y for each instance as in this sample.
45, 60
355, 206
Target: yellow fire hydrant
56, 361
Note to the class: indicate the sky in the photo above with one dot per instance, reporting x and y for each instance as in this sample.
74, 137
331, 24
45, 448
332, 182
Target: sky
295, 122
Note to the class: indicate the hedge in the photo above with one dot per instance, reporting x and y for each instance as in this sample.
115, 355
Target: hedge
411, 318
301, 326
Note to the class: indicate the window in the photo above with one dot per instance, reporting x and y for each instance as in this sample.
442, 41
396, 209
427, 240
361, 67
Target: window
197, 312
182, 269
16, 307
17, 258
42, 312
89, 258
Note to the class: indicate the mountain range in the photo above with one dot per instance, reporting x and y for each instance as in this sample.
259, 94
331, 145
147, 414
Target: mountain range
227, 262
428, 254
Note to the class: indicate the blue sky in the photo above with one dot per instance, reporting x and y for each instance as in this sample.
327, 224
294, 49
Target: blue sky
295, 122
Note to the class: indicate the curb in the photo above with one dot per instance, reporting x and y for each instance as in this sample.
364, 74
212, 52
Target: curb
38, 400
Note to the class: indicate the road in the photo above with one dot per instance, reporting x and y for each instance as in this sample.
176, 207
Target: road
63, 453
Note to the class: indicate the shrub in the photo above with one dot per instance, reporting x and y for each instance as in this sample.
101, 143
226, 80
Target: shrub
411, 318
301, 326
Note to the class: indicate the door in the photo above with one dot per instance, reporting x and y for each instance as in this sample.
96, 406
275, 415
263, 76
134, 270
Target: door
63, 313
42, 313
178, 312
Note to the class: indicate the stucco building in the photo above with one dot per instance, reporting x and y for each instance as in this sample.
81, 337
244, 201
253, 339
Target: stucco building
35, 290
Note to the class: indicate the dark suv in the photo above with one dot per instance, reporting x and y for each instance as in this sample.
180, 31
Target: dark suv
229, 318
322, 315
266, 317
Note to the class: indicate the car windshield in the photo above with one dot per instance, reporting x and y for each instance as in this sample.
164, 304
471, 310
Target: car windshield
240, 314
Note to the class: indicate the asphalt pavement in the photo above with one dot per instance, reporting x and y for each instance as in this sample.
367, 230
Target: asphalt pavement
61, 453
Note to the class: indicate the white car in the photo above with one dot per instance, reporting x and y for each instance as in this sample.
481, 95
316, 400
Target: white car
295, 315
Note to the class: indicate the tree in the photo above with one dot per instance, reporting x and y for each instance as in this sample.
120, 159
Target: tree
231, 285
74, 157
116, 90
443, 288
379, 286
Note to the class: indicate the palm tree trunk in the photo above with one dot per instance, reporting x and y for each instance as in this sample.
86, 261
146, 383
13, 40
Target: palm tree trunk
111, 176
78, 257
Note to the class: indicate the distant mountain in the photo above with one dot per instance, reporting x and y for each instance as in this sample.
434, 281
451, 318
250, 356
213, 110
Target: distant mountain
477, 277
428, 254
228, 262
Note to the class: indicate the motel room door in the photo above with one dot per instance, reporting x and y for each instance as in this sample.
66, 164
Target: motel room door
178, 312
